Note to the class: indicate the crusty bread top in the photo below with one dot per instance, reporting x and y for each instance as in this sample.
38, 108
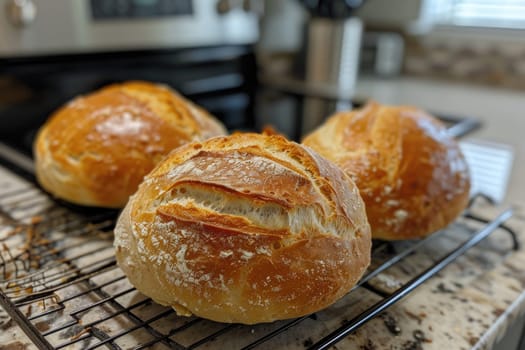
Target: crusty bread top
410, 172
274, 173
96, 149
246, 228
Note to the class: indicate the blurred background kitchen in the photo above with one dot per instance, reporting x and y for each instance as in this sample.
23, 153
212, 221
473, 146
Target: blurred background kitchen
288, 63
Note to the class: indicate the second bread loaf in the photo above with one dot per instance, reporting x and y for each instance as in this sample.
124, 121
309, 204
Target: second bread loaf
95, 150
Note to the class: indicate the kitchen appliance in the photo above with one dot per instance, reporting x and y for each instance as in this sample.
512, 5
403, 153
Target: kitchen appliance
40, 27
332, 59
221, 79
323, 73
330, 56
52, 51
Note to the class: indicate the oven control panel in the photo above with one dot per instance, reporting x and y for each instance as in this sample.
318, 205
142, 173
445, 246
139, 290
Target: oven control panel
125, 9
43, 27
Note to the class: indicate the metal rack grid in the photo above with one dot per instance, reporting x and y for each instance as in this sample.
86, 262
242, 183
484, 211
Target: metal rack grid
59, 281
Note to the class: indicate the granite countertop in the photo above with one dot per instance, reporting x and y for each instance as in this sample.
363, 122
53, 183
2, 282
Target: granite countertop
468, 305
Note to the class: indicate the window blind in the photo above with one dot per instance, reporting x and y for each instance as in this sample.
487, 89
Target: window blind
483, 13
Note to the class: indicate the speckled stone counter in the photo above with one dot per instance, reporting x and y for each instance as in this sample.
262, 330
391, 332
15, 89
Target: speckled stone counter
468, 305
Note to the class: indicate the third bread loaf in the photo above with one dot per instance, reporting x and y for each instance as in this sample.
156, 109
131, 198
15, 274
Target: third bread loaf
410, 172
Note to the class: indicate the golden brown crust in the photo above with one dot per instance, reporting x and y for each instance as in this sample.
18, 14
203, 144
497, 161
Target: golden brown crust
247, 228
410, 172
95, 150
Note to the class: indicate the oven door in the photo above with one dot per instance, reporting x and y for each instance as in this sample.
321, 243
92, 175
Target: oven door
221, 79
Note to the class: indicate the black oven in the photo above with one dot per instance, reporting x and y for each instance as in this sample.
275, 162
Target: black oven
221, 79
52, 51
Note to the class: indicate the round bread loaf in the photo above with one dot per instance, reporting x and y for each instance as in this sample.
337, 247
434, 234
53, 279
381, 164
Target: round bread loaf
95, 150
410, 172
247, 228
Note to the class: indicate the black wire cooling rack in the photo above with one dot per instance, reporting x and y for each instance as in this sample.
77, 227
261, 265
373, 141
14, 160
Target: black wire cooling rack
60, 283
